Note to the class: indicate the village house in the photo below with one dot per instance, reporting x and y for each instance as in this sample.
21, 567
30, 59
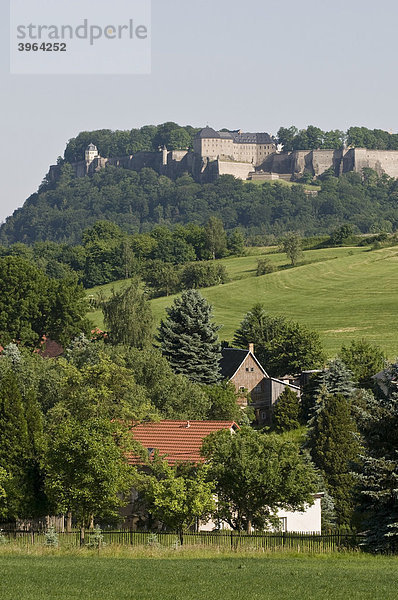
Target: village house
253, 383
181, 441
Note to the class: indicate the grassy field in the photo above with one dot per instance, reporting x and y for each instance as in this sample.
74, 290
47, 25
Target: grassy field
197, 576
343, 293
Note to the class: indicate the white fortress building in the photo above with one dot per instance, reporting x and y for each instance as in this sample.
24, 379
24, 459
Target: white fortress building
237, 146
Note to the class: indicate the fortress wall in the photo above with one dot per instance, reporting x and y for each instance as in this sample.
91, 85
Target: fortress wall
277, 163
178, 155
322, 160
348, 161
239, 170
300, 161
382, 161
286, 164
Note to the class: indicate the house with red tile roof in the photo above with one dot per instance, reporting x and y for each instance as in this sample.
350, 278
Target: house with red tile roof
177, 441
181, 442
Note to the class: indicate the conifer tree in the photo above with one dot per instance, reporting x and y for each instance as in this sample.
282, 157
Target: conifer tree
335, 379
378, 477
189, 340
334, 445
286, 415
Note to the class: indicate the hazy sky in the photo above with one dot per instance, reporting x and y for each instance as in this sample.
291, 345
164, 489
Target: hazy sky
252, 65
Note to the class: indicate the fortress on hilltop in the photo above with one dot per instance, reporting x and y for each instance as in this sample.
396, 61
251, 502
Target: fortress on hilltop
247, 156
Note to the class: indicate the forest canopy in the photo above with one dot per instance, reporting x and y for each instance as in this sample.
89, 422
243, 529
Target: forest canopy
139, 201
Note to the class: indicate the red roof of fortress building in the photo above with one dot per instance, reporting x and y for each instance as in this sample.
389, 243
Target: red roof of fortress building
177, 441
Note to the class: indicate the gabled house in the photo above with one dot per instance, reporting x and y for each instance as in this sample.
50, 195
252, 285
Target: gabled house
181, 442
251, 380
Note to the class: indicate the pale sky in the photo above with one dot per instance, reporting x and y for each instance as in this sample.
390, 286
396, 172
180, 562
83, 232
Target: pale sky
254, 65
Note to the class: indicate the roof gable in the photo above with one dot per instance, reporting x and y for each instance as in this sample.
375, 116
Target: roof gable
233, 358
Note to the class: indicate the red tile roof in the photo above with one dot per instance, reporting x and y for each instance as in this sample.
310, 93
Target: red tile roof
177, 441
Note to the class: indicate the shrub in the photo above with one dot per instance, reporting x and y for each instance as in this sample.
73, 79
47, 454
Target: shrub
51, 537
96, 539
264, 266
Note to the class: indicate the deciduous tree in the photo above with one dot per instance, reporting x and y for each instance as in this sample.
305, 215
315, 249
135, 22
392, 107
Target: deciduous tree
256, 474
364, 360
291, 245
177, 496
128, 316
281, 346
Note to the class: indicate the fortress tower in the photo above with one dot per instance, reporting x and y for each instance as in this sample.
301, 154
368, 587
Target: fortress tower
91, 153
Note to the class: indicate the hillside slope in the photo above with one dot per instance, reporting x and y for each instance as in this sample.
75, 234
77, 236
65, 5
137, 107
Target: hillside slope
348, 294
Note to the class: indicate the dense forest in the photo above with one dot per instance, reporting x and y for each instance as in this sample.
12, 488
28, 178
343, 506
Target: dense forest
140, 201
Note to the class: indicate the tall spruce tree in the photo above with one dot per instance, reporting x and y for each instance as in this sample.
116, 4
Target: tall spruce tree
335, 379
188, 338
334, 445
378, 477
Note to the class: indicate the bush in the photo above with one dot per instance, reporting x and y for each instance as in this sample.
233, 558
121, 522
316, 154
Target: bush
51, 537
96, 539
3, 538
264, 266
203, 274
153, 541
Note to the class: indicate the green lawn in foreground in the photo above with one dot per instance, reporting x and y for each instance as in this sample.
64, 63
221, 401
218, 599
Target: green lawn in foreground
348, 293
345, 577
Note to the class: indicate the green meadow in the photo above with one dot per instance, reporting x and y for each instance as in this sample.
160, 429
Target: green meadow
197, 576
343, 293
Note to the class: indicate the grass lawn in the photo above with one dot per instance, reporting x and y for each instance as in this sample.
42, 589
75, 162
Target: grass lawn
343, 293
245, 576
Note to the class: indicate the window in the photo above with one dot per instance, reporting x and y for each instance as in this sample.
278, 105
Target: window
283, 525
242, 388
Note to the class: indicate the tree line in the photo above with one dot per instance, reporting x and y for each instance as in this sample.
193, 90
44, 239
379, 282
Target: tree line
167, 259
314, 138
122, 143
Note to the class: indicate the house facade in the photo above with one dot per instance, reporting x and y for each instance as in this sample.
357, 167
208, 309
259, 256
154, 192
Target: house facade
252, 382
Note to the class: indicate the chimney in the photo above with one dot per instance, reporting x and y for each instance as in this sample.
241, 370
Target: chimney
251, 348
